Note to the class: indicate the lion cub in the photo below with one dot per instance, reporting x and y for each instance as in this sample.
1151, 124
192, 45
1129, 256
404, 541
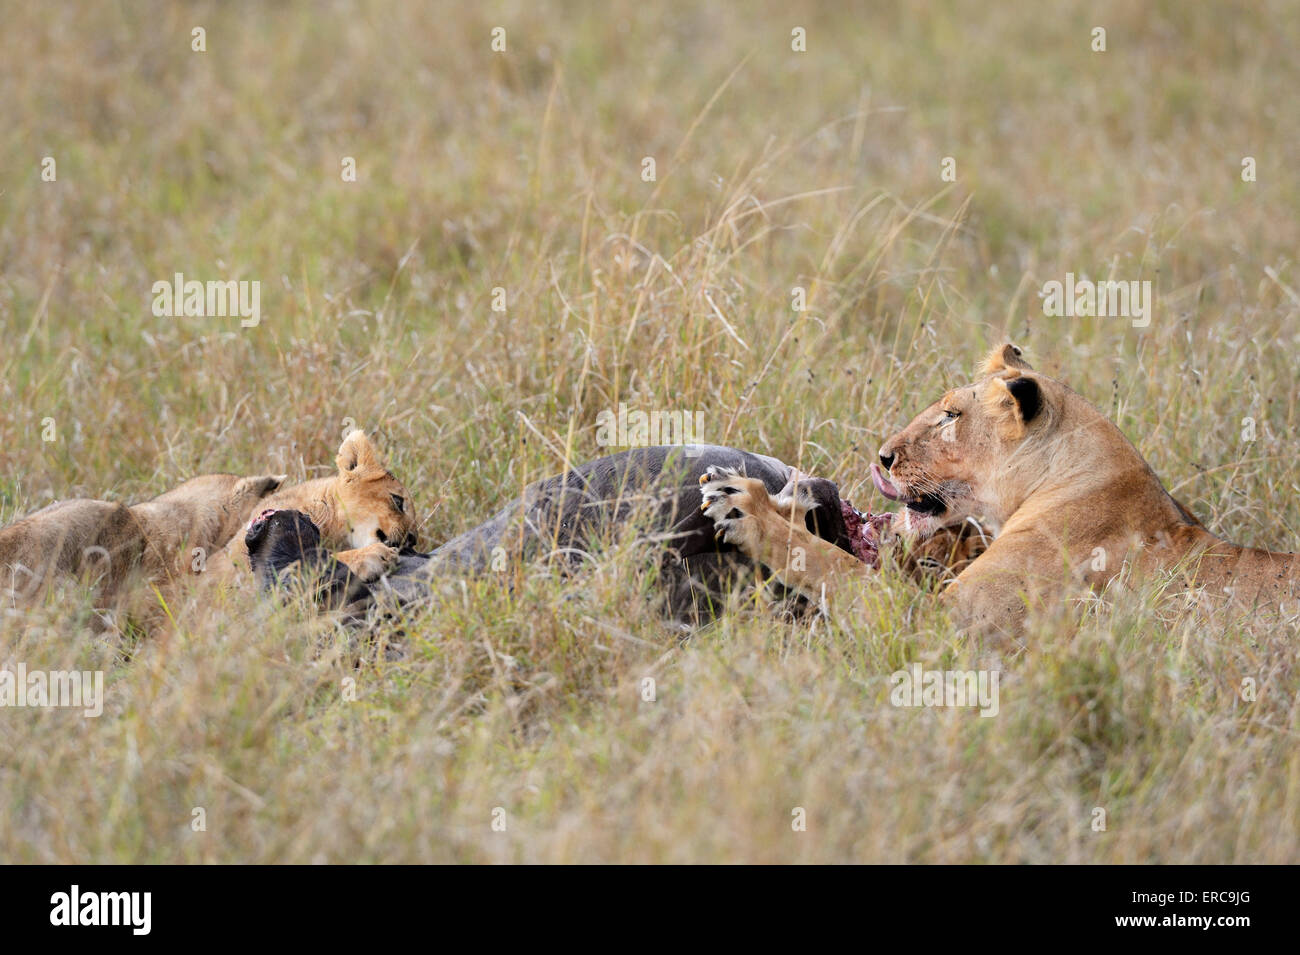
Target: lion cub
112, 545
362, 506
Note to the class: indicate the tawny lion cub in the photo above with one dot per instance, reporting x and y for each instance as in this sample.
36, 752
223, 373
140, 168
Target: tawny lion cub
112, 545
362, 506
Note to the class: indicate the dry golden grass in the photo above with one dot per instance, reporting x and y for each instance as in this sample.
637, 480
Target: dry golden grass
522, 170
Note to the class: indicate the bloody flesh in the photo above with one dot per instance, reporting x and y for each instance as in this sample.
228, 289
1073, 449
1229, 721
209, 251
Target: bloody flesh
865, 532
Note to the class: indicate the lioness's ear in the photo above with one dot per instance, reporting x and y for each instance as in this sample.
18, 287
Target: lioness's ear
1027, 397
260, 486
1013, 400
356, 453
1004, 357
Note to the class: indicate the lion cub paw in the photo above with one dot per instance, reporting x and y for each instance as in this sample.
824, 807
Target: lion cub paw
371, 562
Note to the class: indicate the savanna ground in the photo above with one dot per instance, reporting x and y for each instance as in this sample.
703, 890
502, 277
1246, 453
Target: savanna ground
523, 170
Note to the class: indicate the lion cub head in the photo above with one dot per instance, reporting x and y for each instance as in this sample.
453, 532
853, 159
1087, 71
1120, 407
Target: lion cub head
958, 457
370, 501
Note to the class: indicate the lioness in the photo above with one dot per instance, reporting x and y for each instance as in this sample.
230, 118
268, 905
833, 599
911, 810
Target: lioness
1064, 485
109, 544
362, 506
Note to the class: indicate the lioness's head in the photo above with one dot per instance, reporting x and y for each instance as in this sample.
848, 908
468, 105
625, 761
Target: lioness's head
953, 460
374, 504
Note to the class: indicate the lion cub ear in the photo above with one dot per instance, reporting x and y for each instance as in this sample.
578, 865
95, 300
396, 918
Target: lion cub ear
259, 487
357, 455
1004, 357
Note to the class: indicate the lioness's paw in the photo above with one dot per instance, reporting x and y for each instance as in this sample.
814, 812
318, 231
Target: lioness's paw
371, 562
730, 502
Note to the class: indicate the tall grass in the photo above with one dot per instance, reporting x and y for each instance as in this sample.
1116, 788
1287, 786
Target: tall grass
522, 171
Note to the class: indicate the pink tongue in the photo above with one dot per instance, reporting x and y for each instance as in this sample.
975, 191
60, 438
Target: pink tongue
883, 484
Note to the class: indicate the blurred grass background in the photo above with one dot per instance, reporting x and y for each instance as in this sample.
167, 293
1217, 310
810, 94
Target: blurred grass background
522, 170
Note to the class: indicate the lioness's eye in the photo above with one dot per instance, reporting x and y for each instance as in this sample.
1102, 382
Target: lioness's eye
398, 503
